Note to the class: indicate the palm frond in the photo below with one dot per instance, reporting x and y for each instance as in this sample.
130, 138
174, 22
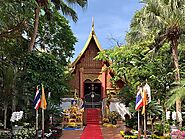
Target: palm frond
177, 92
66, 6
68, 11
81, 3
154, 108
56, 3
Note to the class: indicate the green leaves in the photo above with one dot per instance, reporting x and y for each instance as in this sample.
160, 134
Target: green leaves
57, 37
53, 36
135, 63
156, 16
45, 68
177, 92
14, 16
67, 7
154, 108
161, 22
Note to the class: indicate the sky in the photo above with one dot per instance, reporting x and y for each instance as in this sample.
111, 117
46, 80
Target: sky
111, 22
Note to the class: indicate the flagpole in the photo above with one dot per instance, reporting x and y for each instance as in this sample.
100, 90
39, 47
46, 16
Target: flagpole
42, 123
138, 125
43, 106
144, 109
145, 123
37, 119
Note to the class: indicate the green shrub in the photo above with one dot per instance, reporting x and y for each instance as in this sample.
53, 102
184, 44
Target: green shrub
5, 135
25, 133
167, 127
113, 115
158, 129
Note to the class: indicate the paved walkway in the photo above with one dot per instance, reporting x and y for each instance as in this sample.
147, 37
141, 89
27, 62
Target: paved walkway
108, 133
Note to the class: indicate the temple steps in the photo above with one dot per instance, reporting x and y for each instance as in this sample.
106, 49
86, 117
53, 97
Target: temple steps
93, 116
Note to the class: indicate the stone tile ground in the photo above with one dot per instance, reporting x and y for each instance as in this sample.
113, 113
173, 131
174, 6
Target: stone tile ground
108, 133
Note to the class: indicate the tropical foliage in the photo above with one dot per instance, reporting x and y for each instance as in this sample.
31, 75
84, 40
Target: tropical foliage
178, 91
164, 19
154, 51
53, 43
48, 8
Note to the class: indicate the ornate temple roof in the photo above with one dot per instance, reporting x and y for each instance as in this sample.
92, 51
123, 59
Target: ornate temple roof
92, 35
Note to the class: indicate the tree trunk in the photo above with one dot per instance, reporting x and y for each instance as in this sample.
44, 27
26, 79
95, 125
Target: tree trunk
177, 74
13, 103
33, 36
5, 114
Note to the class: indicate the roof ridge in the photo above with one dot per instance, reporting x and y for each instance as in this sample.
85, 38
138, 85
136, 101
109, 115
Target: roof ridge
91, 35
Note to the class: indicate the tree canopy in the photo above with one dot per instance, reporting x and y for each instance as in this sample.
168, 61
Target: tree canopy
154, 50
21, 71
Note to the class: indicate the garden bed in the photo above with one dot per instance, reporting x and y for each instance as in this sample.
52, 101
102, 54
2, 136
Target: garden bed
5, 134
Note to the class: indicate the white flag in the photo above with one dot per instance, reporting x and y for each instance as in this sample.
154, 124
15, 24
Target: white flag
148, 92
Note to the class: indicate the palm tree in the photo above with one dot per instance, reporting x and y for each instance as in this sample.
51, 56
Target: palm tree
164, 19
64, 5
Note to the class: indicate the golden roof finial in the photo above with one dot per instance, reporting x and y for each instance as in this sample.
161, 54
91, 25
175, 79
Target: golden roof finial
92, 23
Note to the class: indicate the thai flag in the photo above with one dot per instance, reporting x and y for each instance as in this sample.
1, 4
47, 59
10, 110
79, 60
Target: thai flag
37, 100
139, 100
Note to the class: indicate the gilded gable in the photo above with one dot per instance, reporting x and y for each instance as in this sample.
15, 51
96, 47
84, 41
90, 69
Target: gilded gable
87, 60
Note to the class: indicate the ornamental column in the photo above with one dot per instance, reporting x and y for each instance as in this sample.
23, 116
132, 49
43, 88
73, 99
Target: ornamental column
103, 82
81, 83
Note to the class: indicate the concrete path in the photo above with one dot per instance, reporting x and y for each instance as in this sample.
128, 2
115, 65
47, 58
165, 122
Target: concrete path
71, 134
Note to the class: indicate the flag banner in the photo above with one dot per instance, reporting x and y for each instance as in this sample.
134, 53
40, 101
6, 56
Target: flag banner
37, 100
43, 99
148, 92
144, 100
139, 101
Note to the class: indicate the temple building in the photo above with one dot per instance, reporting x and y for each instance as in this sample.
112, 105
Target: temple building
91, 81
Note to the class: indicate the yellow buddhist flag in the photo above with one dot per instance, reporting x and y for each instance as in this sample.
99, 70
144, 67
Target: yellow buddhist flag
144, 97
43, 99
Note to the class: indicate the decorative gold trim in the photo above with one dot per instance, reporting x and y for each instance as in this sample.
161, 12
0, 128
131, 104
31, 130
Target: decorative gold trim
91, 35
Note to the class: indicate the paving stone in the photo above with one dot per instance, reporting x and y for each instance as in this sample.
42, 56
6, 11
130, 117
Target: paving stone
108, 133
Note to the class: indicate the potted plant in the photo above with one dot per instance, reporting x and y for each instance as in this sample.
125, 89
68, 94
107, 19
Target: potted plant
105, 120
113, 117
119, 119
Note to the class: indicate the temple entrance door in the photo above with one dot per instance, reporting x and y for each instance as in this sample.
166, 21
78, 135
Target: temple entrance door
92, 94
92, 101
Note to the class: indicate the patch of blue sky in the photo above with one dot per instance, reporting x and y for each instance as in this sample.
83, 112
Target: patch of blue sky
111, 18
